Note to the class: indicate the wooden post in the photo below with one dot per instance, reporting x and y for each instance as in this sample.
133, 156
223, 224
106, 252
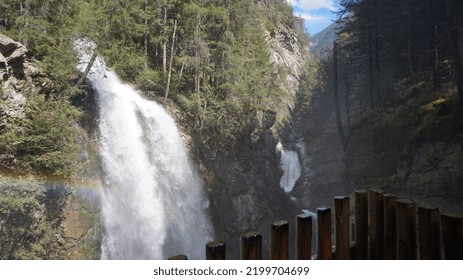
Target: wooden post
406, 229
324, 233
352, 240
361, 224
452, 234
303, 237
390, 227
376, 224
429, 233
341, 210
215, 250
279, 234
251, 246
178, 258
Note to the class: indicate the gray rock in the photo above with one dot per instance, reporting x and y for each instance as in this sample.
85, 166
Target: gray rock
11, 49
3, 61
3, 68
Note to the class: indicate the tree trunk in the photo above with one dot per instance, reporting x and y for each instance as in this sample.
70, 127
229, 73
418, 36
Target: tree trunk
181, 71
378, 78
453, 34
336, 95
171, 60
377, 32
436, 48
456, 61
164, 44
145, 39
370, 62
87, 69
348, 102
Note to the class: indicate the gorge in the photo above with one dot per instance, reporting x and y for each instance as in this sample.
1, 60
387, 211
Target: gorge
209, 119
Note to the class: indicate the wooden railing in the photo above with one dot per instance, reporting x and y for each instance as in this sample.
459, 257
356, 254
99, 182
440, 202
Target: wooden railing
382, 227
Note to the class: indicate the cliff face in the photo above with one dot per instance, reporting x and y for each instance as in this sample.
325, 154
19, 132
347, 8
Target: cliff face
287, 56
37, 220
323, 155
243, 189
243, 185
40, 221
12, 66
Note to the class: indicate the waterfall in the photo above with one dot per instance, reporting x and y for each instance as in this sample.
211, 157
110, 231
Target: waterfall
153, 206
289, 164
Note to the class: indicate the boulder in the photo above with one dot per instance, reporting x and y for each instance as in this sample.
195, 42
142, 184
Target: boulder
11, 49
13, 54
3, 61
3, 68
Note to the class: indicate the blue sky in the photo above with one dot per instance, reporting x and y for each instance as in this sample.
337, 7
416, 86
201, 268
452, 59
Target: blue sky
316, 13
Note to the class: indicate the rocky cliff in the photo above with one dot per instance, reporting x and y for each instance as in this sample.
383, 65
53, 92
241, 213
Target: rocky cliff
12, 66
288, 56
46, 221
38, 220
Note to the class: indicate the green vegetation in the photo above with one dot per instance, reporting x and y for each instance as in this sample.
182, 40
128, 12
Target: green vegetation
46, 222
25, 230
383, 42
44, 139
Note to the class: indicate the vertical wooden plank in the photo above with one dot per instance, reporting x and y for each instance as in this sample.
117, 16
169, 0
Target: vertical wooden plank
429, 233
452, 234
390, 227
406, 229
279, 240
352, 241
341, 210
178, 258
303, 237
376, 224
324, 233
215, 250
361, 224
251, 246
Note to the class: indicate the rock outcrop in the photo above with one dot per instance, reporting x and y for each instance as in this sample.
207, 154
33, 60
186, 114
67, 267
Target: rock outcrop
42, 221
12, 59
243, 185
243, 189
286, 53
322, 155
37, 220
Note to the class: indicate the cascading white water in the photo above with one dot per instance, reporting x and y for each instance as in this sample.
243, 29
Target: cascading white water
289, 164
154, 206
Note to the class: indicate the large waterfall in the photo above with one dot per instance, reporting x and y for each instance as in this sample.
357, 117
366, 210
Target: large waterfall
153, 206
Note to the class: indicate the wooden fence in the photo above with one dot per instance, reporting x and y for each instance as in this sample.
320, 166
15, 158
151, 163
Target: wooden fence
383, 227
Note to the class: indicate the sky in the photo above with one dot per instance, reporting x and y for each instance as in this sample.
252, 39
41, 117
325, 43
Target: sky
317, 14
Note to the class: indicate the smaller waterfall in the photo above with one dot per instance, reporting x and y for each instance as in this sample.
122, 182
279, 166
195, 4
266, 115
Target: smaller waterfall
289, 164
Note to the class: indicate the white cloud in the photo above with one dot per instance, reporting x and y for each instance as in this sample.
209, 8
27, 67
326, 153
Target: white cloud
310, 17
291, 2
312, 4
